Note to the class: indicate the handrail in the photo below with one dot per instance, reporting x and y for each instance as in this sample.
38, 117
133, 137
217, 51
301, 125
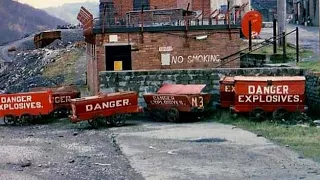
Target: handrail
266, 41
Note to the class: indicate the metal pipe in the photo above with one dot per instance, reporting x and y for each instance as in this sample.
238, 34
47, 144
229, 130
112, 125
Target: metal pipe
250, 35
297, 43
142, 24
202, 11
274, 36
284, 46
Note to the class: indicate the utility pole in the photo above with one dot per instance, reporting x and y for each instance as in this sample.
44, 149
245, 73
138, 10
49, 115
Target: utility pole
318, 13
282, 18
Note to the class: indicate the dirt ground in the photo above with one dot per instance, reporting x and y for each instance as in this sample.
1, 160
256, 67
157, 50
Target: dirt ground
61, 150
143, 149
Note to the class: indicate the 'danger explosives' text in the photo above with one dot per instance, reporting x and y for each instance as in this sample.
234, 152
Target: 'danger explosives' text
19, 102
268, 94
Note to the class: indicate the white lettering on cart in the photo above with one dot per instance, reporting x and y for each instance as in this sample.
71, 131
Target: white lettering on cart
269, 94
107, 105
18, 102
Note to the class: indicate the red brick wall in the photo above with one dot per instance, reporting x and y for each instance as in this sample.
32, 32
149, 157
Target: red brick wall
184, 55
163, 4
148, 57
122, 7
199, 5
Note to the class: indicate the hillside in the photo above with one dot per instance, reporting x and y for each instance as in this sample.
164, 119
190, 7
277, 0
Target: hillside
69, 11
19, 19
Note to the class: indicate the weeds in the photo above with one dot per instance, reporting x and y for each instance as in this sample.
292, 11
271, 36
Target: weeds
303, 139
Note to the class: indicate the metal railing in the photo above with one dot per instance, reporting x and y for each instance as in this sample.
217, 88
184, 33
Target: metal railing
267, 42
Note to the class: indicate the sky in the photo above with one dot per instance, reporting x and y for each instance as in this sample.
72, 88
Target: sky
50, 3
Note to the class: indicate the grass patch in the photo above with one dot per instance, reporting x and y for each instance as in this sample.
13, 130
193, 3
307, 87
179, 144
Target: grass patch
304, 140
278, 58
65, 66
310, 65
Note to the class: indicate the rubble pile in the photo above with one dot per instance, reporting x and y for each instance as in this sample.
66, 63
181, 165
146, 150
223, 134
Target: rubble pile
28, 63
26, 71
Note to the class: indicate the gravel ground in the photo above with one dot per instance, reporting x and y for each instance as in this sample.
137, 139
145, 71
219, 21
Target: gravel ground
61, 151
208, 151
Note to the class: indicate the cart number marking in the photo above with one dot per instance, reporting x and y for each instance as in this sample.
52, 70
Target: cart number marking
195, 101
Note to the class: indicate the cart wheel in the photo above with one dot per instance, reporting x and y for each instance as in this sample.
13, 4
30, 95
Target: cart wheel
59, 113
9, 119
63, 113
158, 115
279, 114
173, 115
69, 112
24, 119
100, 120
258, 114
93, 123
118, 120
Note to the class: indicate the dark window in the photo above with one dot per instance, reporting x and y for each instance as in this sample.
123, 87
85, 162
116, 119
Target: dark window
137, 4
118, 54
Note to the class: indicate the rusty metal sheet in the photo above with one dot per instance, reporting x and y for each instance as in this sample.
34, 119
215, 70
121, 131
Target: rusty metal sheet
227, 79
181, 89
269, 78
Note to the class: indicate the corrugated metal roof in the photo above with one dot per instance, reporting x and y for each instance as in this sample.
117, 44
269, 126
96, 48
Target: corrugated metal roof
269, 78
181, 89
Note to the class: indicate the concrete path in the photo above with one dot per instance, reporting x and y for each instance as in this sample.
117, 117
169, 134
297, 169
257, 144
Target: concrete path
308, 38
209, 151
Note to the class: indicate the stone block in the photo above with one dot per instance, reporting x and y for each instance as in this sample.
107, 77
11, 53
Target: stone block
122, 84
108, 90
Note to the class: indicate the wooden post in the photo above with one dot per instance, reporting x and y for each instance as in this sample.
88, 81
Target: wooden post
274, 36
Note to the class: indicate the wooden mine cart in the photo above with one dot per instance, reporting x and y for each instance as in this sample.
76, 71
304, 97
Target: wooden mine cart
111, 108
172, 99
61, 99
23, 108
262, 95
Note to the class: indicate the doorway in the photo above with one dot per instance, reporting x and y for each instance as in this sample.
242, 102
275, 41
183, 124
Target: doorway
118, 58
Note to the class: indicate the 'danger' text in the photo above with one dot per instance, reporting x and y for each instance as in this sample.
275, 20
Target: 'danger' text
107, 105
282, 89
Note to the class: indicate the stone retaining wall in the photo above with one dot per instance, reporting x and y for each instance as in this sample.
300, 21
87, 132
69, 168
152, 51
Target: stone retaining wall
150, 81
313, 91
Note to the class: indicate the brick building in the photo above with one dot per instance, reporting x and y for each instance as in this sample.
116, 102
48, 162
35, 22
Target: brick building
148, 44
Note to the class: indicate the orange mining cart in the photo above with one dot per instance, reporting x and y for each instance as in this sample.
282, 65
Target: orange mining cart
112, 108
22, 108
61, 99
227, 92
172, 99
261, 95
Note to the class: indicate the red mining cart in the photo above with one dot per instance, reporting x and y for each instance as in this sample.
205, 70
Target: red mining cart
226, 92
261, 95
22, 108
110, 108
172, 99
61, 99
